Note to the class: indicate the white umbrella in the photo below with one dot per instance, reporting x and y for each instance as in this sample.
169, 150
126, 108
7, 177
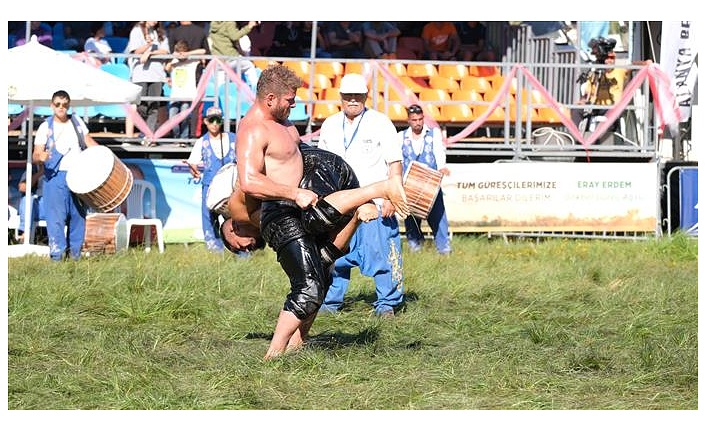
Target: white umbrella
37, 72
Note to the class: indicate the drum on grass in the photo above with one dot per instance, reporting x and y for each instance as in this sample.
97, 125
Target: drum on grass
421, 185
106, 233
99, 178
222, 186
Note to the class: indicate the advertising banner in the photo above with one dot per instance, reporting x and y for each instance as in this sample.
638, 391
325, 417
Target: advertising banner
552, 197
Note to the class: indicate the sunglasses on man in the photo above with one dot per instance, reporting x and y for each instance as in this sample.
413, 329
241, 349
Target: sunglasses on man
215, 120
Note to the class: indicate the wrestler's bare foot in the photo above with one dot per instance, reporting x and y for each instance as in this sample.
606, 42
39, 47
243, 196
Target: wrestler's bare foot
394, 191
274, 353
367, 212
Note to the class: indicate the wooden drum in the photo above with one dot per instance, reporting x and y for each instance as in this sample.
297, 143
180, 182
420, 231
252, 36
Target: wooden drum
105, 233
222, 186
99, 178
421, 185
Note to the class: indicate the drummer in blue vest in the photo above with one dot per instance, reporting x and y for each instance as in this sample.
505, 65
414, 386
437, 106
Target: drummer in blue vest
57, 142
211, 152
425, 145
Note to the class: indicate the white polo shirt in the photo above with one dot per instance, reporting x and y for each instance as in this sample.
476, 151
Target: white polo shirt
368, 145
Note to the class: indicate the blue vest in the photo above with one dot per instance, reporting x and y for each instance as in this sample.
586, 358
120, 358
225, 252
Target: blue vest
426, 156
211, 162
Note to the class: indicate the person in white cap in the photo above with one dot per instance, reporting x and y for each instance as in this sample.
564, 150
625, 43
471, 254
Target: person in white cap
211, 152
367, 140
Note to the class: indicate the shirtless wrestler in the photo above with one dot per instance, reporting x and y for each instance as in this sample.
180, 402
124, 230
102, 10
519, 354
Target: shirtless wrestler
270, 171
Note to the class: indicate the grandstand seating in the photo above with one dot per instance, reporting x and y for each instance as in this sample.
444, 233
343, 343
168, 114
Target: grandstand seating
421, 70
356, 67
333, 70
235, 104
331, 94
434, 95
398, 69
323, 110
298, 113
455, 71
479, 84
466, 96
262, 63
397, 111
432, 109
443, 83
117, 43
416, 85
460, 113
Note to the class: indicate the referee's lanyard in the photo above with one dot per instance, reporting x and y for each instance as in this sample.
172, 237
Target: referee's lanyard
346, 142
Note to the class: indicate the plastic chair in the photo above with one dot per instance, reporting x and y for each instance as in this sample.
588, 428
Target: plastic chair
324, 110
332, 94
121, 70
398, 69
397, 111
455, 71
477, 83
434, 95
433, 110
466, 96
301, 68
443, 83
14, 109
421, 70
330, 69
298, 113
457, 113
232, 107
263, 63
138, 215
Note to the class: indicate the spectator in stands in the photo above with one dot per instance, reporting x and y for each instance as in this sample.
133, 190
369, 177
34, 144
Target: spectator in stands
380, 39
195, 36
148, 38
441, 41
226, 39
57, 141
321, 40
344, 39
36, 208
287, 40
96, 44
182, 80
71, 40
42, 30
212, 151
425, 145
367, 140
473, 37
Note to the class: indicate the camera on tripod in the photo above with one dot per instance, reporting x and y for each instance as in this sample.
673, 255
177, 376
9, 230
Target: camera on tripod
601, 47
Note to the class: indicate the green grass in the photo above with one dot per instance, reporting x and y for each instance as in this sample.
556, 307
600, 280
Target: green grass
521, 325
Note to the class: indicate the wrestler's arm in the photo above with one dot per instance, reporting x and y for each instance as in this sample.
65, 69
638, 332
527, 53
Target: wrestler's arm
251, 147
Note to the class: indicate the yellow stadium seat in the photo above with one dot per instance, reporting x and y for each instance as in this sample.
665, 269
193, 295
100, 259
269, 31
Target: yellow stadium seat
330, 69
457, 113
320, 82
421, 70
433, 110
412, 84
263, 63
397, 111
395, 96
470, 82
496, 116
324, 110
300, 67
455, 71
331, 94
356, 67
467, 96
303, 93
398, 69
443, 83
483, 70
434, 95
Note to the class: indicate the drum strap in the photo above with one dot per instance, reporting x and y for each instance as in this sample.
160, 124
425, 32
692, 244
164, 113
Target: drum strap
79, 133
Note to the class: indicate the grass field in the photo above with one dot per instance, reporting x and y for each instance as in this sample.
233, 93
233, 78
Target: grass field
554, 324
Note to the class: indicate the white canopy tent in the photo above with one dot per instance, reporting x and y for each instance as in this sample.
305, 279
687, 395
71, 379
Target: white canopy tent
37, 72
